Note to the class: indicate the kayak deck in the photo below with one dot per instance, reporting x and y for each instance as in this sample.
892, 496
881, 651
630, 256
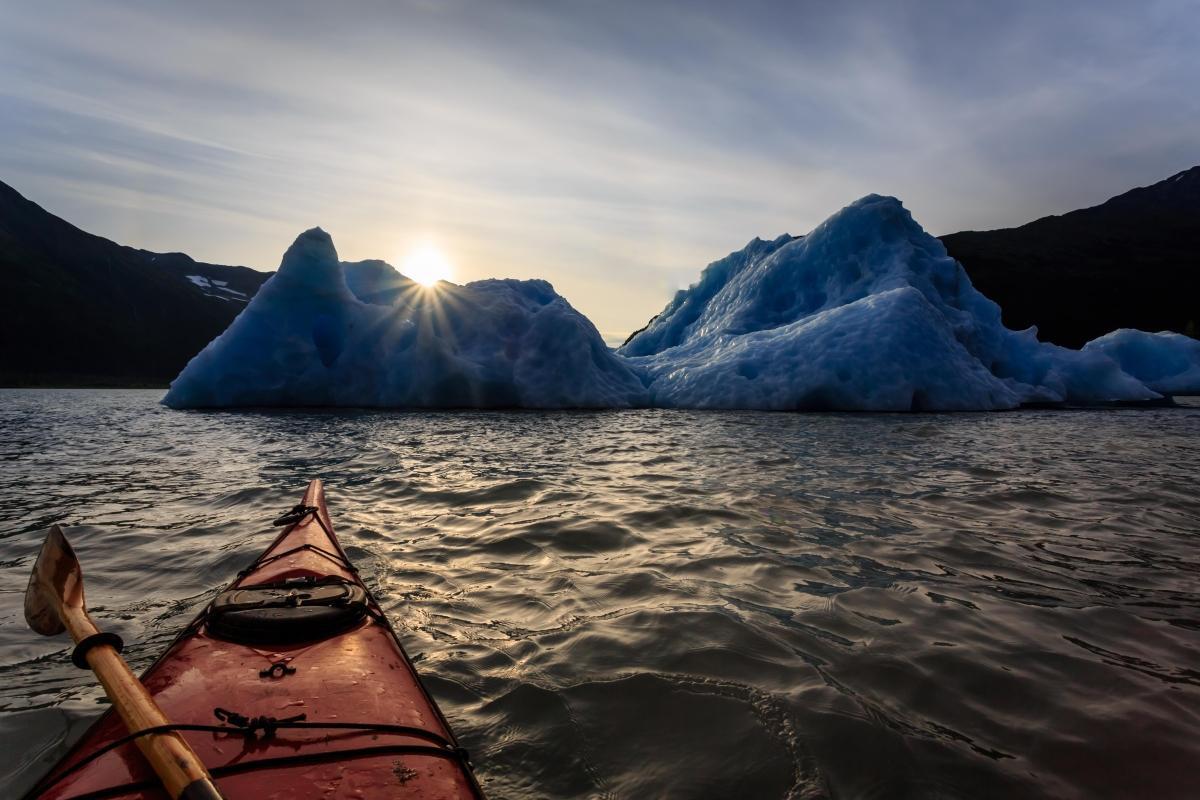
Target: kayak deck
370, 729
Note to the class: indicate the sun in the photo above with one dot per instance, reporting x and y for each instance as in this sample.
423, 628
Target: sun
427, 265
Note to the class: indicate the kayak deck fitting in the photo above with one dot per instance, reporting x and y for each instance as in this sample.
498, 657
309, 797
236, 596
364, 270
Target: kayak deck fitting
290, 684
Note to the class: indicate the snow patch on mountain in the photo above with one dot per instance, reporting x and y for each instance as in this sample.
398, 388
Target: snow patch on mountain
216, 288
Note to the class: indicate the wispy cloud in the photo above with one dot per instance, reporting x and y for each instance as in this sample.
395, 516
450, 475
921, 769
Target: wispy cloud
613, 148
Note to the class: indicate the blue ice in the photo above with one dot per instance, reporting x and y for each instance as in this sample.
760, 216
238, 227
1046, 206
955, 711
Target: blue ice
867, 312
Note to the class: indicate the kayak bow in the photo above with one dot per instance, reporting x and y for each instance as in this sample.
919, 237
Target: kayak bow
290, 684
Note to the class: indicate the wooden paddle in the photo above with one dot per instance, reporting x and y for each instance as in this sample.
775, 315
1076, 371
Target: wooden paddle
54, 603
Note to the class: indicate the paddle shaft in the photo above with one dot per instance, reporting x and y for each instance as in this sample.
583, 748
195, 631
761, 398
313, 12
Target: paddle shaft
182, 773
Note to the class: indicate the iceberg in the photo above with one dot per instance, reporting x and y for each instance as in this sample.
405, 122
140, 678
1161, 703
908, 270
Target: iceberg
867, 312
1166, 362
325, 333
889, 351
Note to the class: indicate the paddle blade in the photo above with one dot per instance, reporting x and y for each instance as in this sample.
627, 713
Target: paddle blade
56, 582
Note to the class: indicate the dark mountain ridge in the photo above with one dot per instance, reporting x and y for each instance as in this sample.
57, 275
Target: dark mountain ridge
1131, 262
78, 309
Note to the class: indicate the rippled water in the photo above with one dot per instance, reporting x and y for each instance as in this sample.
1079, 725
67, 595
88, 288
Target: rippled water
672, 604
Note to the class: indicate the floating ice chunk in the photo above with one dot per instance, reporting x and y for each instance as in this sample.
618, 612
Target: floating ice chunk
1166, 362
817, 322
322, 333
889, 351
867, 312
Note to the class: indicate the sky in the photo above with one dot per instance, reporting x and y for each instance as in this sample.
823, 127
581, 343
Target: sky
611, 148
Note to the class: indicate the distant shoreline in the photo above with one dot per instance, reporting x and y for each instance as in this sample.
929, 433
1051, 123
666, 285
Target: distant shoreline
71, 381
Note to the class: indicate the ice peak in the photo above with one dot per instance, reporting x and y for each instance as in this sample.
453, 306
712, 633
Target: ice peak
871, 245
313, 262
875, 214
314, 243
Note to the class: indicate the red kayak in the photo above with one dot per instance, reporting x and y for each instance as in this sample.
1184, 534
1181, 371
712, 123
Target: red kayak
290, 684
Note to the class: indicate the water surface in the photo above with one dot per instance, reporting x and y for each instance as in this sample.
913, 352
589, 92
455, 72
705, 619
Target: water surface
671, 604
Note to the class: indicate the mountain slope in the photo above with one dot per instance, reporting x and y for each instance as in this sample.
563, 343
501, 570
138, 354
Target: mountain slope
1132, 262
78, 309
